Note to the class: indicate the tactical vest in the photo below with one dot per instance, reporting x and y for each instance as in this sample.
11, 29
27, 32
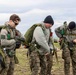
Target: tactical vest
12, 35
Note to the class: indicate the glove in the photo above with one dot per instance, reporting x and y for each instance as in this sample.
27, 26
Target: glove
51, 49
18, 44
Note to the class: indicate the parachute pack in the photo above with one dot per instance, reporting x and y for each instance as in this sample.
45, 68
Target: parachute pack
29, 34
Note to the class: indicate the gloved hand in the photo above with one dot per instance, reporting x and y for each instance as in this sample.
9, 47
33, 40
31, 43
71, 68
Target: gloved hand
18, 44
51, 49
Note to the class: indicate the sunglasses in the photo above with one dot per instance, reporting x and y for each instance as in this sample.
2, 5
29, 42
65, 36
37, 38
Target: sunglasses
18, 19
15, 23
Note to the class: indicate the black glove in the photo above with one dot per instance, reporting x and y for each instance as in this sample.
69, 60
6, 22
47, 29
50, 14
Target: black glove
51, 49
18, 44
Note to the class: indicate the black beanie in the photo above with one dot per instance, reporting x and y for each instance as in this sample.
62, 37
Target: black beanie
72, 25
49, 20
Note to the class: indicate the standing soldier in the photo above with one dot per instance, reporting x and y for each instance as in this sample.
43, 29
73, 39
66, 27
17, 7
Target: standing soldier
9, 42
41, 48
67, 33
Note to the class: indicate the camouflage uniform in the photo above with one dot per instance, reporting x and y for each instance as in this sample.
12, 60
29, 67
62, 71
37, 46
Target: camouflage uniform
69, 48
39, 63
49, 63
2, 60
8, 45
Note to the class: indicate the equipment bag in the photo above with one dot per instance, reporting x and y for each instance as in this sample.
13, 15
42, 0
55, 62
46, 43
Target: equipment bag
29, 34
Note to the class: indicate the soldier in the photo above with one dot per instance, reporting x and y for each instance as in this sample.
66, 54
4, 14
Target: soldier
9, 41
41, 48
67, 33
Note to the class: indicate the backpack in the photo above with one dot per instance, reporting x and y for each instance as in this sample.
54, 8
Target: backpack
29, 34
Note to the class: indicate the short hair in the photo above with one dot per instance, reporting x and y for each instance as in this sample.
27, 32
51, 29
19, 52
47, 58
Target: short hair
14, 17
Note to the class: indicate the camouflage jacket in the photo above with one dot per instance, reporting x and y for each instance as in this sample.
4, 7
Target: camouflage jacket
69, 35
7, 36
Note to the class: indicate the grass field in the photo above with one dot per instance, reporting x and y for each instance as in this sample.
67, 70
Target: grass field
23, 67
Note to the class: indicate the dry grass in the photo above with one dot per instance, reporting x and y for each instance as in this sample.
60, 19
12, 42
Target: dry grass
23, 67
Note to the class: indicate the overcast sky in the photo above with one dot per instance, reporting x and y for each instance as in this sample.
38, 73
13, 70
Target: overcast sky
34, 11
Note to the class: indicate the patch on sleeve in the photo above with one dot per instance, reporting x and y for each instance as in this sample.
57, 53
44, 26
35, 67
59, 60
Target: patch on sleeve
2, 36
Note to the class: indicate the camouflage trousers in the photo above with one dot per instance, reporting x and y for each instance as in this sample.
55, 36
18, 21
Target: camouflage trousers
49, 61
68, 55
40, 64
9, 70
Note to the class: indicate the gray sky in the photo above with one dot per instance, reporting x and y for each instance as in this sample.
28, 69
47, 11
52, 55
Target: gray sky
34, 11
